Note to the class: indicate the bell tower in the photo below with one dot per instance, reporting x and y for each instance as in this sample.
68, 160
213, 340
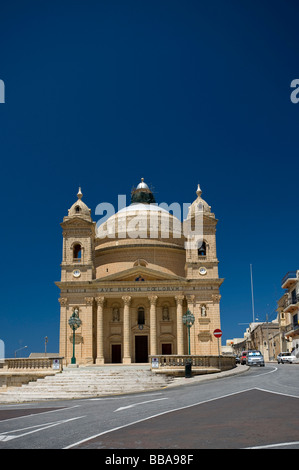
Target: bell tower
201, 258
78, 243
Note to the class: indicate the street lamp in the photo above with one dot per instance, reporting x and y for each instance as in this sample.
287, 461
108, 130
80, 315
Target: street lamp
74, 322
24, 347
46, 341
188, 320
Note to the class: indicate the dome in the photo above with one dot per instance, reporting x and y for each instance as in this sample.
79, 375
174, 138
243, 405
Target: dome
79, 208
142, 185
139, 221
142, 219
141, 234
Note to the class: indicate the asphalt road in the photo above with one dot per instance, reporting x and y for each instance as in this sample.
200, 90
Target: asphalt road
256, 409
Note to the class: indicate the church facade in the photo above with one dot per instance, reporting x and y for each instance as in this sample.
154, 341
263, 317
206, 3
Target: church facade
132, 278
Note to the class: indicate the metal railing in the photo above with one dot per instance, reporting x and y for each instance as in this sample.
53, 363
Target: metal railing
293, 300
289, 275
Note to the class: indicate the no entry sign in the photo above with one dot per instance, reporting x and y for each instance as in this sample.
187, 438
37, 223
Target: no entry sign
217, 333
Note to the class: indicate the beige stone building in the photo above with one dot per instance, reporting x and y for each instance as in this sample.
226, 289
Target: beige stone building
288, 312
133, 277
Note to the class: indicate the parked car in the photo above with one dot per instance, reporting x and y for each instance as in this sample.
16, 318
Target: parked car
285, 357
237, 360
255, 358
243, 357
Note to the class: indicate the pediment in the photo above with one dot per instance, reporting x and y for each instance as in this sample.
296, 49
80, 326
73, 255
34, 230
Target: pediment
75, 222
141, 274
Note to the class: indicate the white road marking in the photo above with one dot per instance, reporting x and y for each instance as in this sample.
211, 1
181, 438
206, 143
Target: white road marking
126, 397
154, 416
40, 427
137, 404
265, 373
274, 445
278, 393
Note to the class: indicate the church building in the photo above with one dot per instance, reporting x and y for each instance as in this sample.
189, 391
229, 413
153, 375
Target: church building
131, 279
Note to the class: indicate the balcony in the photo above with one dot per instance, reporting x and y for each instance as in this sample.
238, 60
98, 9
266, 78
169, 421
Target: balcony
292, 330
292, 304
289, 279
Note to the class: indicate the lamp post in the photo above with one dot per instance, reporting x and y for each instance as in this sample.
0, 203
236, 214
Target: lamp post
188, 320
24, 347
74, 322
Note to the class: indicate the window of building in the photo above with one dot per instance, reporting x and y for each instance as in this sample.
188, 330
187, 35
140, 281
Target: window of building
141, 316
77, 251
202, 250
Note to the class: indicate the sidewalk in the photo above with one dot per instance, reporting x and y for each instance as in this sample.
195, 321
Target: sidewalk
177, 381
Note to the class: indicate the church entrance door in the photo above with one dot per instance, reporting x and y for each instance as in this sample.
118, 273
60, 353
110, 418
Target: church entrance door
166, 349
141, 349
116, 353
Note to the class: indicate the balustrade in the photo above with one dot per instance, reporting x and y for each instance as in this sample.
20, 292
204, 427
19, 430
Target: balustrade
175, 362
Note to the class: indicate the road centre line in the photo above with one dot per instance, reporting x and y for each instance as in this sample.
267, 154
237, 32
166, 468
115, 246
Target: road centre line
155, 416
266, 373
137, 404
125, 397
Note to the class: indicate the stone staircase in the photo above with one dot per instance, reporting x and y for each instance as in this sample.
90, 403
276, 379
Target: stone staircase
87, 382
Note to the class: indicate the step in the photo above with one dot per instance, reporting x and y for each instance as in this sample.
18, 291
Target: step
85, 383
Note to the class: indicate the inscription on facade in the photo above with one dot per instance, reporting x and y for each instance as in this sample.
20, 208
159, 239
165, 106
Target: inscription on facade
141, 289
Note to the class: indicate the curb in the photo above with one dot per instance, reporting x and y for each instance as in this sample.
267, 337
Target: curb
239, 369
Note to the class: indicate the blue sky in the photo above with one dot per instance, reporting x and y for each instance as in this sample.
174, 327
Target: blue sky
102, 93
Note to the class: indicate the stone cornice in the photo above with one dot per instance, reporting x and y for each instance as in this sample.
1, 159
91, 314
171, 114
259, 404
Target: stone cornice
187, 284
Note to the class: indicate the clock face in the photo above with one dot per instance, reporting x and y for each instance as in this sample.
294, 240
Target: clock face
202, 271
76, 273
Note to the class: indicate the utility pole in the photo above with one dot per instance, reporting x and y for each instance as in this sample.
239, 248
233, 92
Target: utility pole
252, 297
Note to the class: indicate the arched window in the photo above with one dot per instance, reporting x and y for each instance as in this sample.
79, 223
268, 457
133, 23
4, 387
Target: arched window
77, 251
202, 250
141, 316
77, 208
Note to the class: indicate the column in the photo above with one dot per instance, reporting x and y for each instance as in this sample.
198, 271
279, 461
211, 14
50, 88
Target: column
64, 327
180, 330
126, 333
190, 306
87, 331
153, 325
100, 330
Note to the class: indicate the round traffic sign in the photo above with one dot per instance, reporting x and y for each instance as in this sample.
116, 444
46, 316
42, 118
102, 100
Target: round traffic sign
217, 333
